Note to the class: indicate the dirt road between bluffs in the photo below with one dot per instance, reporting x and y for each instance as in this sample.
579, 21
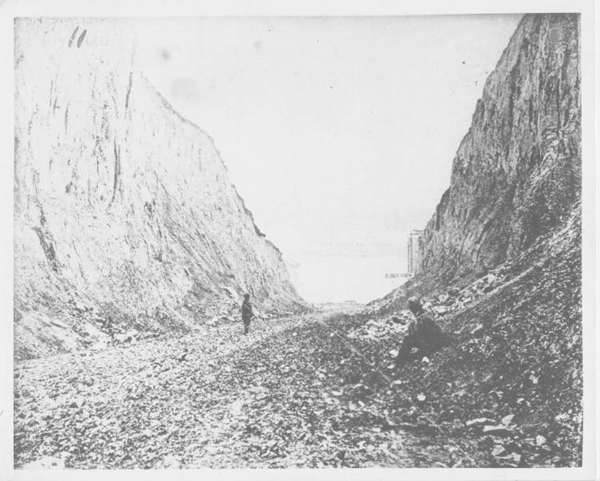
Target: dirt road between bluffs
274, 398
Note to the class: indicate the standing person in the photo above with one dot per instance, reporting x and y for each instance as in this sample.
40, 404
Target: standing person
109, 325
424, 336
247, 314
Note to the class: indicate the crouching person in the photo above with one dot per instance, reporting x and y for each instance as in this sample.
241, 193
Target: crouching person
424, 336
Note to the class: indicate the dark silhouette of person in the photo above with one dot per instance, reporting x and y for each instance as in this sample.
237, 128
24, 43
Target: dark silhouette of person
247, 313
424, 336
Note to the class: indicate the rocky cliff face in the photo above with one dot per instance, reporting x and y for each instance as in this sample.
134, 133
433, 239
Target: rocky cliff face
516, 176
517, 172
123, 209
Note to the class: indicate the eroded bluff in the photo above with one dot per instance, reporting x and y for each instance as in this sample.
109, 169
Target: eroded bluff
123, 209
517, 173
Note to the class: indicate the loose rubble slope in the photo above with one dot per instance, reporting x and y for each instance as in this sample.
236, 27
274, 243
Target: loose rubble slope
276, 398
512, 377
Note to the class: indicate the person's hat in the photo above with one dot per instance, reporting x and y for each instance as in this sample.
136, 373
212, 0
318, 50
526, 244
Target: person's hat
414, 302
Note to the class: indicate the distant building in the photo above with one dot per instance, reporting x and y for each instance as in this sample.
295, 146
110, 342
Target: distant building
414, 252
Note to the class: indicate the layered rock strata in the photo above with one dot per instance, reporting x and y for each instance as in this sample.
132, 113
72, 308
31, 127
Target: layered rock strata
124, 211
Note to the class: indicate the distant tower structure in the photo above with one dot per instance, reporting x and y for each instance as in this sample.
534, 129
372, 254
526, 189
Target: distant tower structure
414, 252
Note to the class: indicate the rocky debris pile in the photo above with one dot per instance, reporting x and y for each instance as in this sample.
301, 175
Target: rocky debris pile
455, 298
511, 380
451, 300
94, 328
506, 441
512, 377
378, 329
217, 399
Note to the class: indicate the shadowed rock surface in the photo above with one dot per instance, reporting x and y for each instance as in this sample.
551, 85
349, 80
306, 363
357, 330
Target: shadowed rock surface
124, 210
517, 172
516, 175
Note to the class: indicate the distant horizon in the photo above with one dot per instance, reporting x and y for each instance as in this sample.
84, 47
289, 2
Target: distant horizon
313, 116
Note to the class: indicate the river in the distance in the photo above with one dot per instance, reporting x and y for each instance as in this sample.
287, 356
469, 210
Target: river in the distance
345, 278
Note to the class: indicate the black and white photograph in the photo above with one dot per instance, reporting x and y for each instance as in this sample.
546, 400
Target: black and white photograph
349, 243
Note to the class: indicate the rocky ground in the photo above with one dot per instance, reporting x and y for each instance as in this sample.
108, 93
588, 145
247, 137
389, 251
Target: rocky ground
320, 390
276, 398
511, 378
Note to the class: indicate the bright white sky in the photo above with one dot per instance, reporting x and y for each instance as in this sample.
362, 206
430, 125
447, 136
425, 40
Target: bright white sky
339, 133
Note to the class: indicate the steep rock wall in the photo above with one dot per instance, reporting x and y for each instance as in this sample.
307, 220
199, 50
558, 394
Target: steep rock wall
517, 172
123, 209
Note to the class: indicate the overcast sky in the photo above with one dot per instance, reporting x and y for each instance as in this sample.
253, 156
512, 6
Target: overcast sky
339, 133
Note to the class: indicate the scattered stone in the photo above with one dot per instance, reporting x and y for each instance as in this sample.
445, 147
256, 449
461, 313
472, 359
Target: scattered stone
498, 430
513, 447
490, 278
477, 330
513, 459
507, 420
453, 291
498, 450
480, 421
